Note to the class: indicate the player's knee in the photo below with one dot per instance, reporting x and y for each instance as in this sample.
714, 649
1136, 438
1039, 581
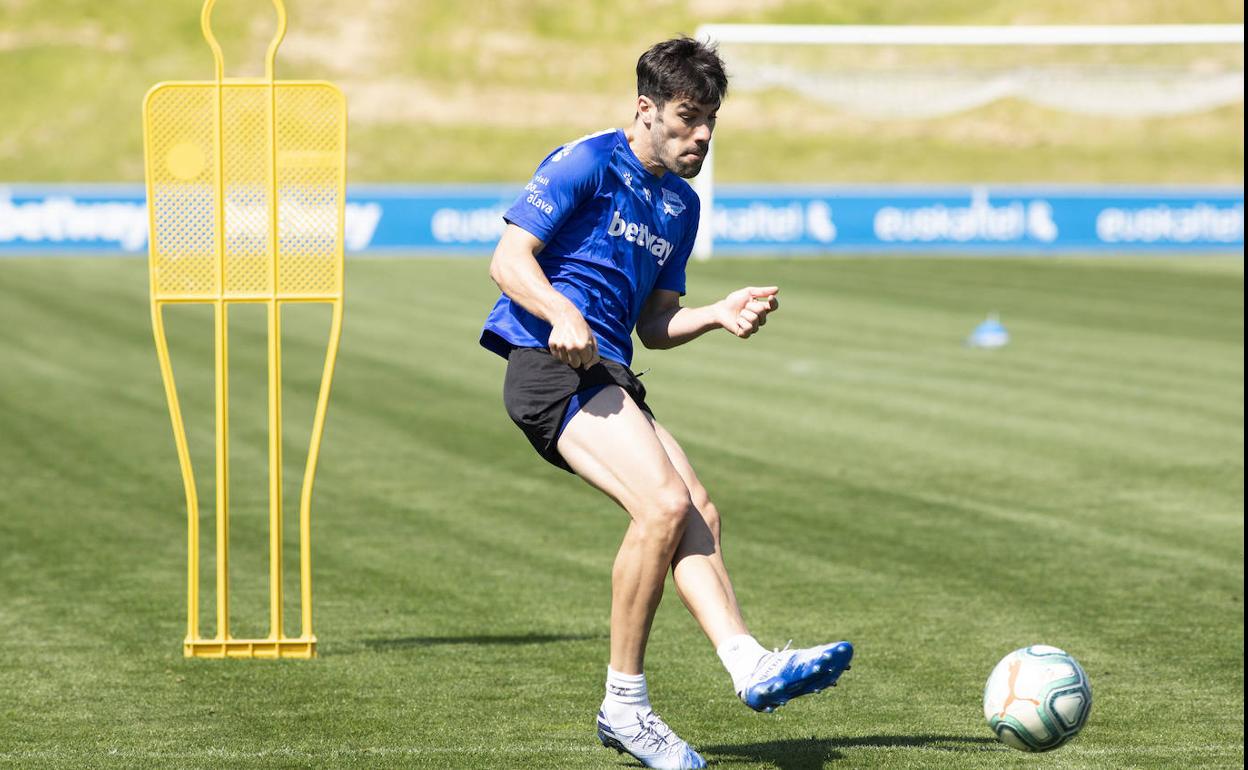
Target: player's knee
710, 514
706, 508
668, 513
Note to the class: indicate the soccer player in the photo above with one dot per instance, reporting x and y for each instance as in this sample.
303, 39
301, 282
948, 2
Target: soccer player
594, 248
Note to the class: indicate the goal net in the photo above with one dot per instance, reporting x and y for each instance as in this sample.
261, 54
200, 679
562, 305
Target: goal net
916, 73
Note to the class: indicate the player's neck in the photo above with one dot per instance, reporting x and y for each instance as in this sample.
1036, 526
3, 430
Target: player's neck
639, 144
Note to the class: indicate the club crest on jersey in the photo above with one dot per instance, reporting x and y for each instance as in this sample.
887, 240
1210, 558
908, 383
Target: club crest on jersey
672, 203
640, 236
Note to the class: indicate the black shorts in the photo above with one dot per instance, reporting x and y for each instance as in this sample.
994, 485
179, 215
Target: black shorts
539, 388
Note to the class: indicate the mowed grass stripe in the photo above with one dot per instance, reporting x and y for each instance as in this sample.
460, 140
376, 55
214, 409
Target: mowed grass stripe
939, 506
855, 325
1059, 289
1056, 293
930, 361
982, 408
970, 418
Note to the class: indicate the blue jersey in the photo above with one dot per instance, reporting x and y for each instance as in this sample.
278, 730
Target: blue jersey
613, 233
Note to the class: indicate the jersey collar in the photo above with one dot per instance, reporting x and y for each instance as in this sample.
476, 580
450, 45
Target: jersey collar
631, 158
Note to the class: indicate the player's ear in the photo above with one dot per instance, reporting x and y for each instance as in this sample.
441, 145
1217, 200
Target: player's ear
646, 109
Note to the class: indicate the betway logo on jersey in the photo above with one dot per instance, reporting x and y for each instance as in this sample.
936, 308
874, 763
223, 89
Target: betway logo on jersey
640, 235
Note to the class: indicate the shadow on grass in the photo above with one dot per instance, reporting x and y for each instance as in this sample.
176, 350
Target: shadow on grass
812, 753
410, 642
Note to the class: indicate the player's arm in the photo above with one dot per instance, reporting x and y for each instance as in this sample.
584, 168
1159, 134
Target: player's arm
516, 271
665, 324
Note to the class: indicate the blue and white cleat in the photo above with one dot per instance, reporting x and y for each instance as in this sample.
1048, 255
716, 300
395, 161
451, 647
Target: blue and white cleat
650, 741
786, 674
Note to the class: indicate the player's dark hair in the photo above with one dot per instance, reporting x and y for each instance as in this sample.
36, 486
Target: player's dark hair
682, 68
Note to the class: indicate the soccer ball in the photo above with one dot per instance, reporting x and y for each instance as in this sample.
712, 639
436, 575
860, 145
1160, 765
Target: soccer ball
1037, 698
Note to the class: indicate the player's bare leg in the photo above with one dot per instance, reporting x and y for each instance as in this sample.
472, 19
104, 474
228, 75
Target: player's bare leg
617, 457
615, 447
698, 568
764, 681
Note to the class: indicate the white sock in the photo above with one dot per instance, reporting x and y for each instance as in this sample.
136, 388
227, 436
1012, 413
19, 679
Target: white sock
740, 655
626, 695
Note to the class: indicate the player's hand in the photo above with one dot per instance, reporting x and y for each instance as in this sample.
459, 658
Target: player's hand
572, 341
745, 310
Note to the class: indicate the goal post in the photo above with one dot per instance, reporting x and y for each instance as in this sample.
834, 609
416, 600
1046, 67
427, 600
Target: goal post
914, 72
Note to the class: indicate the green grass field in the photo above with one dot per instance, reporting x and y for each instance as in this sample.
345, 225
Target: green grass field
939, 506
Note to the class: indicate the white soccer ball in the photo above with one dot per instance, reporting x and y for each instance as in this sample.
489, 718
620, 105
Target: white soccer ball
1037, 698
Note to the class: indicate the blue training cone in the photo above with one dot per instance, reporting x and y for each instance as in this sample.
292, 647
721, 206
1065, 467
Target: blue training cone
989, 334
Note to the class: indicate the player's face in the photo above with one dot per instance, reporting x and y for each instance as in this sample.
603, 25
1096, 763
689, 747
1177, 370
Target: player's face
680, 135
